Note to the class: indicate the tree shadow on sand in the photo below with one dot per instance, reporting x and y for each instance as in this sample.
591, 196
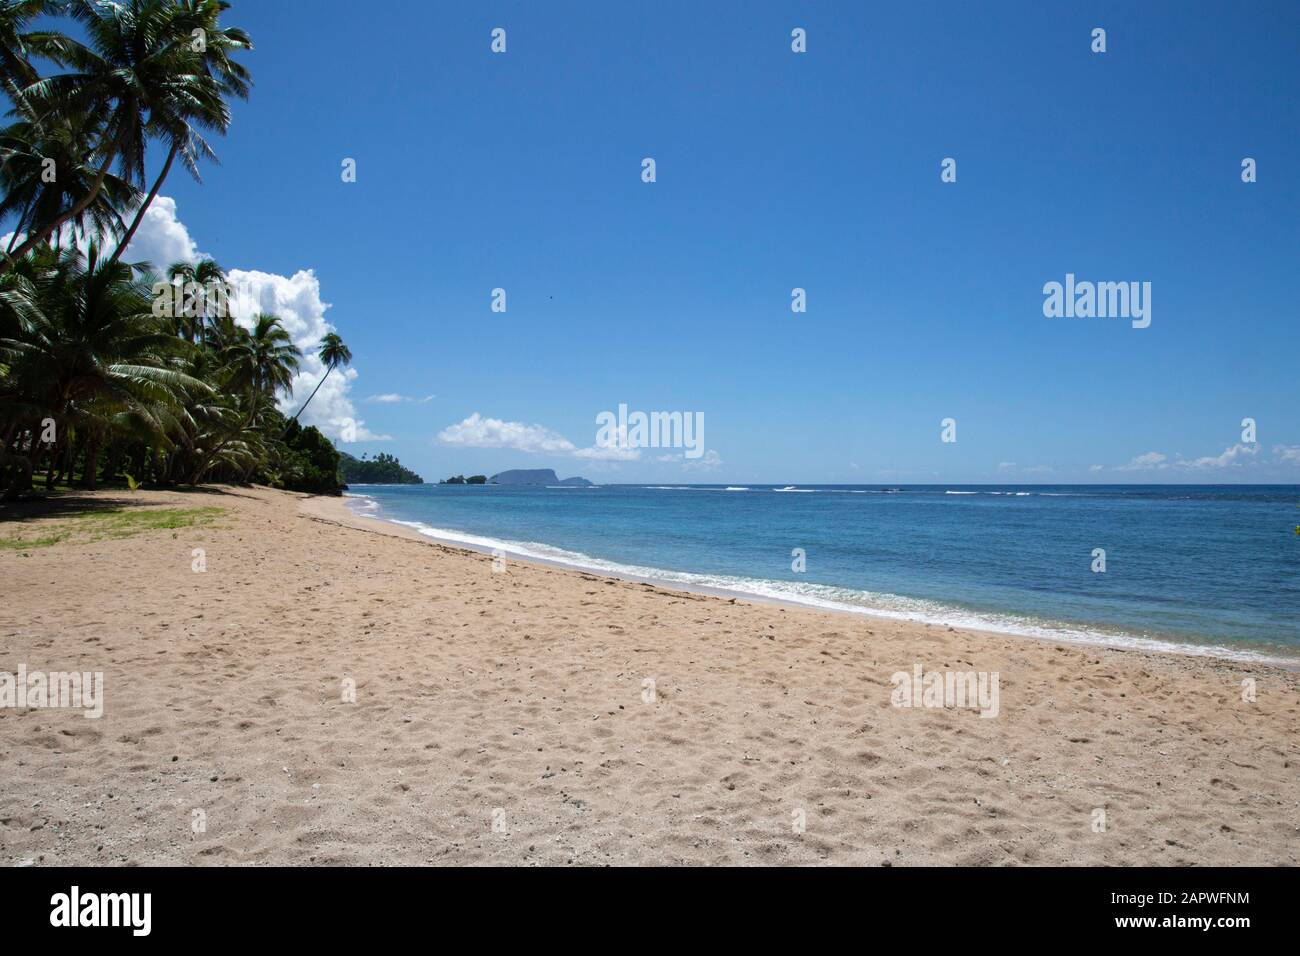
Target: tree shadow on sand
69, 504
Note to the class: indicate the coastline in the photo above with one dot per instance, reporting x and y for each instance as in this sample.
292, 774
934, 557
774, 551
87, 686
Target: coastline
596, 720
353, 517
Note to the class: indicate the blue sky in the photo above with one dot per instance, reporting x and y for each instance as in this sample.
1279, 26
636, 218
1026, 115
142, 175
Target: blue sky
778, 170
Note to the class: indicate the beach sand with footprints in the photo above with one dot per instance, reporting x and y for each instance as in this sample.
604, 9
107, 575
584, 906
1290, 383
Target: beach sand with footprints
539, 715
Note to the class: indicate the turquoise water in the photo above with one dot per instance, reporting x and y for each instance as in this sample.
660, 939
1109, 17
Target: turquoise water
1210, 569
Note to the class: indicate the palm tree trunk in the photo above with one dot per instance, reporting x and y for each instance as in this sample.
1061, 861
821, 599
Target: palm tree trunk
14, 238
90, 473
54, 463
309, 398
153, 193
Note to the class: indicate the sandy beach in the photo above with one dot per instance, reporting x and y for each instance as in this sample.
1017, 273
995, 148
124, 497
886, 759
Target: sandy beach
536, 715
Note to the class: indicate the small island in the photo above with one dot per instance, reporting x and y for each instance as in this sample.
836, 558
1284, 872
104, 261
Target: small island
521, 476
383, 469
536, 476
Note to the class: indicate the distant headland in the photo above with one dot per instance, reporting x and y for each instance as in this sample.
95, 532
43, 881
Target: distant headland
520, 476
383, 469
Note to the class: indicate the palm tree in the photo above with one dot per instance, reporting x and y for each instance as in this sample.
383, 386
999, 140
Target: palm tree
215, 61
97, 351
188, 397
333, 353
139, 73
266, 358
205, 273
34, 191
16, 46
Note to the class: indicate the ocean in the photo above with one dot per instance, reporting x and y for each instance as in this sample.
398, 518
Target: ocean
1206, 569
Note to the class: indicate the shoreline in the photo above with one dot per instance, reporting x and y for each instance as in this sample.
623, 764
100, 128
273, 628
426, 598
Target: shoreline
326, 692
349, 515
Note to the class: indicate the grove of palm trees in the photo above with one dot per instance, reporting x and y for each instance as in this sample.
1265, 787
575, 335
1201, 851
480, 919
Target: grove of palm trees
113, 370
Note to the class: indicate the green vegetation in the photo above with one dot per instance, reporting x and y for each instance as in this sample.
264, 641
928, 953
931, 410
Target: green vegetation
383, 469
109, 523
109, 368
462, 480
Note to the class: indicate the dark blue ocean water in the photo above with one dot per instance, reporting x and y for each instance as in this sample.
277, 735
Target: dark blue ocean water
1208, 568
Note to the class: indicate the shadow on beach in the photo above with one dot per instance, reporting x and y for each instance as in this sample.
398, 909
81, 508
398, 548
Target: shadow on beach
66, 504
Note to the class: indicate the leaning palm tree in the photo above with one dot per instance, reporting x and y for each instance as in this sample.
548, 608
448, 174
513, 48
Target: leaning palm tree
199, 20
139, 73
47, 168
332, 353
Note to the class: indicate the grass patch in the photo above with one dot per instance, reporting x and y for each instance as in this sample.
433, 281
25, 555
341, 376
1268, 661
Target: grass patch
110, 523
17, 543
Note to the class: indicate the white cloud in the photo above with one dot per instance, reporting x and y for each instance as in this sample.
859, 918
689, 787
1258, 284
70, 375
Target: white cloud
1231, 458
611, 452
1096, 467
163, 239
1234, 456
296, 300
479, 432
709, 462
392, 398
706, 462
1152, 459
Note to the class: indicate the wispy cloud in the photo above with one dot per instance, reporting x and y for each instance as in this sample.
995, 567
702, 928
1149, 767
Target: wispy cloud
1233, 457
1151, 460
710, 461
391, 398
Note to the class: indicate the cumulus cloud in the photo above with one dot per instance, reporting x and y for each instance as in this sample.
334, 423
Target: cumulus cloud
297, 301
163, 239
479, 432
1287, 452
1232, 456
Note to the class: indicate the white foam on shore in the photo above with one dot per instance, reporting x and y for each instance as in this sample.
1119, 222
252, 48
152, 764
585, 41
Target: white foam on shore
827, 597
